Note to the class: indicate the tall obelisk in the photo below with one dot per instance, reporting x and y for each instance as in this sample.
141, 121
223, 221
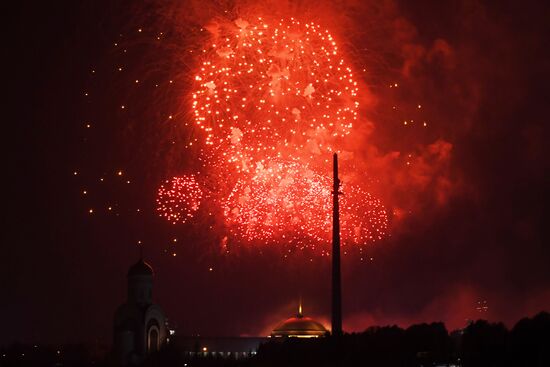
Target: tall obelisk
336, 281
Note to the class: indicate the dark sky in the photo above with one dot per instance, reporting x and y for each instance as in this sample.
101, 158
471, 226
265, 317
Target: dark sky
476, 230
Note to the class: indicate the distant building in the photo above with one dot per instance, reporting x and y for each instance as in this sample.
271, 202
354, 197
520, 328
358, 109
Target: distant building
139, 325
140, 328
223, 347
299, 327
242, 347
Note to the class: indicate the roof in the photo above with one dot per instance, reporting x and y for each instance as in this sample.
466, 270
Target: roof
299, 327
140, 268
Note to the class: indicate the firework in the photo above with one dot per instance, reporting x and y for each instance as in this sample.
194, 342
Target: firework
273, 99
179, 198
281, 200
288, 202
270, 88
363, 217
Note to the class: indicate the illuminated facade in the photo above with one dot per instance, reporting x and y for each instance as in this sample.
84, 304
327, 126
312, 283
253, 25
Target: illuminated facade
139, 325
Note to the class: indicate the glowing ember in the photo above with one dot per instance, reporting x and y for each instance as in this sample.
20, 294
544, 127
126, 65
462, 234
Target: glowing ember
179, 198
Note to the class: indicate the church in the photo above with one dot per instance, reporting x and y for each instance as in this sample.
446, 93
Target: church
139, 325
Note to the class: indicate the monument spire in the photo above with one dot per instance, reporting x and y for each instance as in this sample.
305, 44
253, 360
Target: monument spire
336, 279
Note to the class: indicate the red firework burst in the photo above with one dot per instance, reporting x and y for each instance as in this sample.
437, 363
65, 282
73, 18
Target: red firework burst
274, 99
287, 202
270, 88
179, 198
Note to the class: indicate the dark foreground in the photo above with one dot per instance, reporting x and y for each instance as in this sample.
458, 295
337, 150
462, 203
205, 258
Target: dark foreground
479, 344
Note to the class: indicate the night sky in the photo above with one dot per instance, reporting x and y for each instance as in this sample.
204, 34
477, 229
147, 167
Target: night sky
452, 137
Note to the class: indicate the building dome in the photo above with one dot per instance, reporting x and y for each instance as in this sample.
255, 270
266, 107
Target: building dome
139, 325
140, 268
300, 327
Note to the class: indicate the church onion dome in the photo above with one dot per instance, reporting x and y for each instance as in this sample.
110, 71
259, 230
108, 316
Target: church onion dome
140, 268
300, 327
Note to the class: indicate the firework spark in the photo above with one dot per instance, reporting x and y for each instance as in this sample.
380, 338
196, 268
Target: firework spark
179, 198
274, 98
287, 202
269, 89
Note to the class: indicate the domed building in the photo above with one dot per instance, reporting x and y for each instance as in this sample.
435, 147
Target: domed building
139, 325
299, 327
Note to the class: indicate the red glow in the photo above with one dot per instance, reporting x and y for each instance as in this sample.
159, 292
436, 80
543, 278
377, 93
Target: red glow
274, 99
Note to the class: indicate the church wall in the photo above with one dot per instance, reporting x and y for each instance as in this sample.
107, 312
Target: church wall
140, 289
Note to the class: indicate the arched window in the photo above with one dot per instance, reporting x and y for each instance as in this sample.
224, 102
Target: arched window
153, 339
